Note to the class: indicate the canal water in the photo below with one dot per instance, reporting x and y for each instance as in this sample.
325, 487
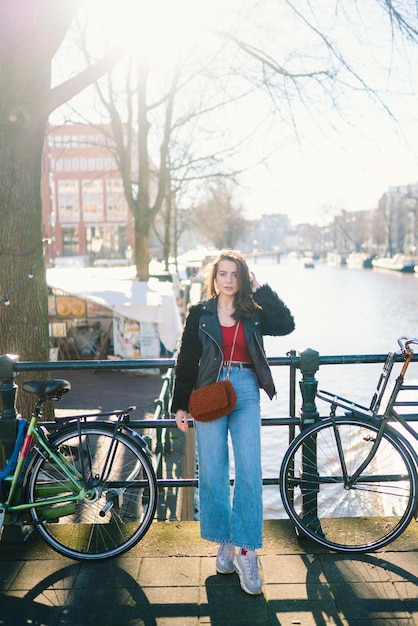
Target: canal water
337, 310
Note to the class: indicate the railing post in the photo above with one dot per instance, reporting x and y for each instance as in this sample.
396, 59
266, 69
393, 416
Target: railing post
167, 500
7, 386
309, 365
8, 432
8, 416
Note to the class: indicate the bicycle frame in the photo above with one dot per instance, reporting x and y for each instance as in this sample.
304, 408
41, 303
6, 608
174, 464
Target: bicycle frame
350, 481
10, 507
389, 414
35, 435
92, 470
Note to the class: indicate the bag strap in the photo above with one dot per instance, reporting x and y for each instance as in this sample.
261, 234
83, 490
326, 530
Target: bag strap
232, 349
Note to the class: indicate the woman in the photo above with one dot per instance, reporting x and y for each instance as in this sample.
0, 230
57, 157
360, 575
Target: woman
238, 307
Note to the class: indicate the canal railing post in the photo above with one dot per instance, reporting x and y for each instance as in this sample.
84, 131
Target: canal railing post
309, 365
8, 433
8, 415
163, 449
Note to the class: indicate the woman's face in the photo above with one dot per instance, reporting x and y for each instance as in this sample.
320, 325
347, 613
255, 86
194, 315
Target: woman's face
226, 279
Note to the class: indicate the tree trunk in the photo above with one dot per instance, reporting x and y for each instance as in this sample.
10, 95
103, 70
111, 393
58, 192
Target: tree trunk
23, 300
21, 243
30, 34
142, 255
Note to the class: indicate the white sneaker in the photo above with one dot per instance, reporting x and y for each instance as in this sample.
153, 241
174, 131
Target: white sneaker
225, 559
246, 566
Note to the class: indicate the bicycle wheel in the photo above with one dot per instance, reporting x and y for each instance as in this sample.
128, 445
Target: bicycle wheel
365, 516
119, 499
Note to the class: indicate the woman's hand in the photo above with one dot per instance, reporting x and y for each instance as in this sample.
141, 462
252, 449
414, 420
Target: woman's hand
181, 420
254, 283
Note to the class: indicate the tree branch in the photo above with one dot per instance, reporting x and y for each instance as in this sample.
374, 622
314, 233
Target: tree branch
75, 85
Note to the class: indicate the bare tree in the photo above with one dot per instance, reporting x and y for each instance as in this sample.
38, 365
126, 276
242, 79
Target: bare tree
153, 178
219, 220
146, 183
254, 59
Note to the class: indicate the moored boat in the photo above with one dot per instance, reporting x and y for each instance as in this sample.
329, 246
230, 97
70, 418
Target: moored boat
360, 260
308, 262
336, 258
397, 263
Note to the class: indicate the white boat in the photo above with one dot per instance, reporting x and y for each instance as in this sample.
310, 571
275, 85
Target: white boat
397, 263
336, 258
308, 262
359, 260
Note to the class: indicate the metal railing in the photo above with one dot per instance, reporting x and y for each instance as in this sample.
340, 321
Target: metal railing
307, 363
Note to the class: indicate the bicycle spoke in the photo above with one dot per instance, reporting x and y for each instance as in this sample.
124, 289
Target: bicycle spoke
119, 499
367, 515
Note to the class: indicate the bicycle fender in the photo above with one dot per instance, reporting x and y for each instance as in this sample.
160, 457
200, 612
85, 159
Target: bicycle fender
110, 426
143, 440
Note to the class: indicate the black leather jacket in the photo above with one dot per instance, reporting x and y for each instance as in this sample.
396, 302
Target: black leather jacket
200, 358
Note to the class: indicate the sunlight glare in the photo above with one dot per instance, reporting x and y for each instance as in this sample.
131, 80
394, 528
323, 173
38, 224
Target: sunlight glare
159, 30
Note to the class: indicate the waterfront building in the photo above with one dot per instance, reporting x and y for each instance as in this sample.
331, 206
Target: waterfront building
397, 210
85, 213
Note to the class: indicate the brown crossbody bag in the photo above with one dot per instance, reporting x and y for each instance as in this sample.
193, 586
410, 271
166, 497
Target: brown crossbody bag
210, 402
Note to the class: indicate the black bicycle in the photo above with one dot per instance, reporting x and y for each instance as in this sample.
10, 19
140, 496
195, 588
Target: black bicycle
349, 482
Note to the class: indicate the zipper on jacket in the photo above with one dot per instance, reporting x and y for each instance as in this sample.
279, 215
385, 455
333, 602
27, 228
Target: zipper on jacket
266, 362
217, 344
261, 350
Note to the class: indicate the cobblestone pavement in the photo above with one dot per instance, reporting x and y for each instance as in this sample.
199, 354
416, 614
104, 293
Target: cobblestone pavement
111, 389
169, 579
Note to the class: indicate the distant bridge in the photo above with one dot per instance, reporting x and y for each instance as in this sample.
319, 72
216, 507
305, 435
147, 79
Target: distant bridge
258, 254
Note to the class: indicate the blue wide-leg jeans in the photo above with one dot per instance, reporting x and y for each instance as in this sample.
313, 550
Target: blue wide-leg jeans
237, 519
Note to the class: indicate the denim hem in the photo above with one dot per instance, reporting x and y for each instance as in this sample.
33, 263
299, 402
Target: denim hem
258, 546
227, 540
248, 547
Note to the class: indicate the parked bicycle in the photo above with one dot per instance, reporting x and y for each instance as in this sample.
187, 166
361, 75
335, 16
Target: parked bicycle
87, 485
349, 482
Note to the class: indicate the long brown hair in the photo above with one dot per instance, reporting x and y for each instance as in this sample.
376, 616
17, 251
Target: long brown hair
245, 307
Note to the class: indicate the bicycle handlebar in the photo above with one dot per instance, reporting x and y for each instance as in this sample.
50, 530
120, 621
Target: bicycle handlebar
405, 342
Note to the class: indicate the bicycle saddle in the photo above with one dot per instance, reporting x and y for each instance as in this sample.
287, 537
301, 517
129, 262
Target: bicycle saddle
47, 389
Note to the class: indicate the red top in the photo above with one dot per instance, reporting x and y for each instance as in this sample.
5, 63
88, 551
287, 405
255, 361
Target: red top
240, 350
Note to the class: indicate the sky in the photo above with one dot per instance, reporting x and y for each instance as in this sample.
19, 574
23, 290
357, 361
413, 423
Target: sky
310, 183
348, 156
344, 160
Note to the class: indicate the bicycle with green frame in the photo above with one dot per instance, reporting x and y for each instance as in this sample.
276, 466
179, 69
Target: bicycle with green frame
86, 483
350, 482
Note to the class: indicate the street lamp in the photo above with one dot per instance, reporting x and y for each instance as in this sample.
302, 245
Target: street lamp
129, 253
96, 246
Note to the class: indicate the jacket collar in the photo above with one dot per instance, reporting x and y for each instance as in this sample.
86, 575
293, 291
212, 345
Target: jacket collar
210, 306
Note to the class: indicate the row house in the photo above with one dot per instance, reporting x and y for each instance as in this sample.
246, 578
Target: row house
85, 213
398, 219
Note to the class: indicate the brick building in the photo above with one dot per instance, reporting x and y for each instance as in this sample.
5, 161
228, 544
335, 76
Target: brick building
85, 213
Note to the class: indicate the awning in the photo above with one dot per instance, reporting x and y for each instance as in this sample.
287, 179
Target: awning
153, 301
